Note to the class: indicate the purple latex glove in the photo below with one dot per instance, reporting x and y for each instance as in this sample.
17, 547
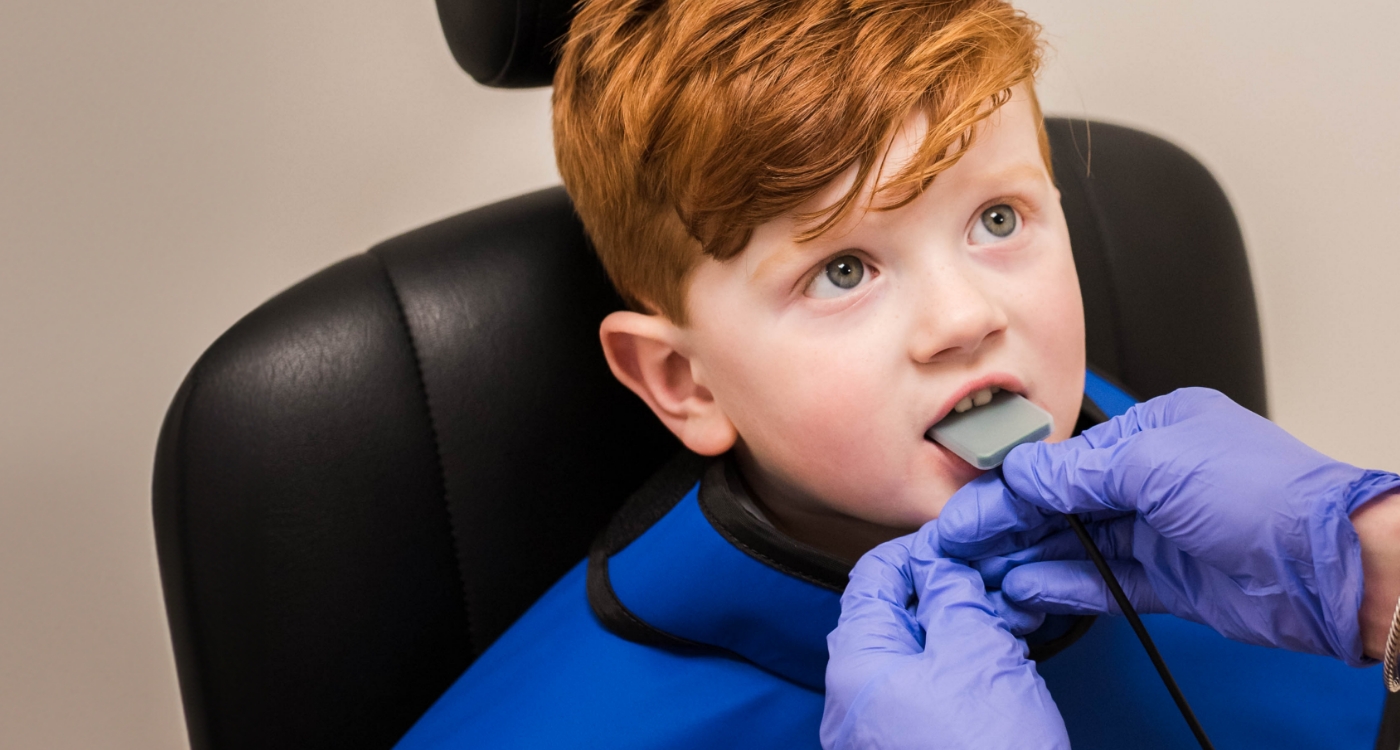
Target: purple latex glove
920, 659
1204, 510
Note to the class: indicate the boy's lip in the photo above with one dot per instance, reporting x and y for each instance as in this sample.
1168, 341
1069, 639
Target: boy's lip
956, 468
1002, 380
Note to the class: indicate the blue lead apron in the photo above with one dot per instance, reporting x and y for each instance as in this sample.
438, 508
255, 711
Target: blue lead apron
696, 625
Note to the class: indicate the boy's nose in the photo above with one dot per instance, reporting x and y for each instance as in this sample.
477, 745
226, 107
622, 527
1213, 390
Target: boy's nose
955, 317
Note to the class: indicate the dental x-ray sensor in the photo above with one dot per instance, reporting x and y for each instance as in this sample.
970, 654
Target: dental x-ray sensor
982, 436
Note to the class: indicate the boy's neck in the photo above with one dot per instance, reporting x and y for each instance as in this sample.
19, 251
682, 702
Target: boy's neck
842, 536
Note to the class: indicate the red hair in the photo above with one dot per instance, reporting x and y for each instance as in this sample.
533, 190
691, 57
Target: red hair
680, 125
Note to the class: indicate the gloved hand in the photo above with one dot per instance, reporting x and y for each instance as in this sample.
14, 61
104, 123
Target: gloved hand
1203, 509
942, 671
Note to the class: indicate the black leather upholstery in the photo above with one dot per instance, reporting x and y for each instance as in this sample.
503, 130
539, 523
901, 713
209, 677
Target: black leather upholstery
1168, 300
366, 480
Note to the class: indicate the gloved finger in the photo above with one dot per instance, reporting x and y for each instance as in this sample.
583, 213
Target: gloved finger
876, 630
1076, 588
1118, 465
1179, 406
876, 625
951, 595
1113, 537
1021, 621
1068, 477
1155, 413
984, 518
878, 595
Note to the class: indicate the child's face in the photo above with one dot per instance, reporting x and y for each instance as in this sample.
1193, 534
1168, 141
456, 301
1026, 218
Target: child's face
832, 358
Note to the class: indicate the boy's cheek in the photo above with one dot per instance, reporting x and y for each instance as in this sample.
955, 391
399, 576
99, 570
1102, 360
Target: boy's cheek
1061, 379
876, 480
1055, 333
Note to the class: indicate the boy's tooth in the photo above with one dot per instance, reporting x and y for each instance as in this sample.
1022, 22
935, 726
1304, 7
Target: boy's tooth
981, 397
963, 405
996, 389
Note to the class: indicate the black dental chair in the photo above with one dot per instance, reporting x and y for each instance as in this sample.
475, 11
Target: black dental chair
365, 481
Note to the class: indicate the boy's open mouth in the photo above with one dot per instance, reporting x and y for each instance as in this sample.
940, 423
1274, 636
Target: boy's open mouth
976, 393
977, 398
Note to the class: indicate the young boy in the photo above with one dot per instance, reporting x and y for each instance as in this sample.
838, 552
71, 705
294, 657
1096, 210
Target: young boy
834, 223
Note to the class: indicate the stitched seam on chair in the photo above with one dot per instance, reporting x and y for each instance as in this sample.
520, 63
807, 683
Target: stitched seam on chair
437, 442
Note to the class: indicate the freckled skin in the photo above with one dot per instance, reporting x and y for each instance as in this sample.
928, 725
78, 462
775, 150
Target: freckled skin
830, 397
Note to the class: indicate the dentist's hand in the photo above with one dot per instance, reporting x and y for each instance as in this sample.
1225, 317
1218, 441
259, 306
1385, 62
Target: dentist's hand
920, 659
1203, 509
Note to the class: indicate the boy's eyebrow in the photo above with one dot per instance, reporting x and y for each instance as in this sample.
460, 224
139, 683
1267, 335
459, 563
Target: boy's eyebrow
791, 253
1022, 171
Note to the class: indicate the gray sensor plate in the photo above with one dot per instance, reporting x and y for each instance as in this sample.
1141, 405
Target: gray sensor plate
983, 435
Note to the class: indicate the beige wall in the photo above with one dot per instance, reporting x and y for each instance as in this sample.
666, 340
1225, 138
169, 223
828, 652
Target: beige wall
1295, 107
166, 166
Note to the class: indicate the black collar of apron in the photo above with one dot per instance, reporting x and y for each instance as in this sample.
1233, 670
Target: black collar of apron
696, 569
665, 573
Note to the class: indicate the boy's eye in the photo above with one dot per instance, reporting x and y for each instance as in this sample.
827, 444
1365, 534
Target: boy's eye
995, 224
840, 276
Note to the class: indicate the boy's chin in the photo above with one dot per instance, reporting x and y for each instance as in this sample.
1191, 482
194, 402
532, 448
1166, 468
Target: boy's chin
919, 511
953, 475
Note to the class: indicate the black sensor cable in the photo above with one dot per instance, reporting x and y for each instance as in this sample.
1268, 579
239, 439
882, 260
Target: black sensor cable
1136, 622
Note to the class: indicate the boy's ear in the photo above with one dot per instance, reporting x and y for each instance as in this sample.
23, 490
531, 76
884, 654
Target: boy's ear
642, 351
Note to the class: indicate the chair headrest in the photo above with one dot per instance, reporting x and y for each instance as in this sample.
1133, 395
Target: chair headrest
506, 43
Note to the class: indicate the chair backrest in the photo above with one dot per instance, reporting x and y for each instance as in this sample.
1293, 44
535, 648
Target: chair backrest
365, 481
